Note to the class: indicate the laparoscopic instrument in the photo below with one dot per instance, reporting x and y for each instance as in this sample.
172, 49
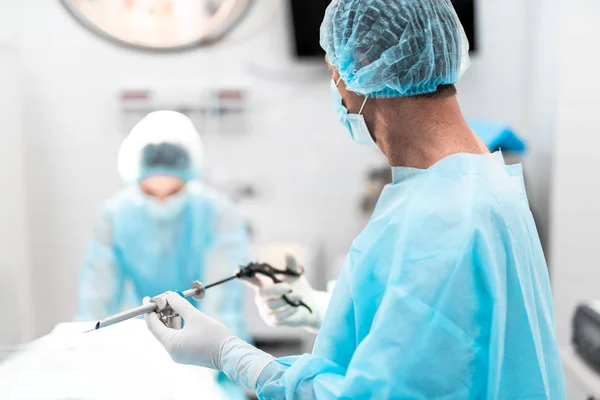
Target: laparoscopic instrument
197, 290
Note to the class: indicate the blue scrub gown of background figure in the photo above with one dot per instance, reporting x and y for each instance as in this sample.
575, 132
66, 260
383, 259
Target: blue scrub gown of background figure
207, 240
445, 294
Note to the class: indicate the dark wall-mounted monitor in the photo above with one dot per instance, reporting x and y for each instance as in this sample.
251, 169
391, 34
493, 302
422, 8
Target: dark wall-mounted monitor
466, 13
307, 16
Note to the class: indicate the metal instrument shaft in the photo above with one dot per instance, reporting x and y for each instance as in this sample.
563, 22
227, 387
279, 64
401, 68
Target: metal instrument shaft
195, 291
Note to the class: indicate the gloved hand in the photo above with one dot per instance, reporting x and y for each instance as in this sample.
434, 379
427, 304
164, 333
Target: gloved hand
275, 311
200, 340
206, 342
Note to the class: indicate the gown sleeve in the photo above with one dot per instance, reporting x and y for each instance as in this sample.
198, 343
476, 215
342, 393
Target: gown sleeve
422, 340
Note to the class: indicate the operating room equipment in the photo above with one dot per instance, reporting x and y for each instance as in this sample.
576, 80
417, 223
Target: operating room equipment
253, 269
197, 291
170, 26
158, 304
586, 332
306, 18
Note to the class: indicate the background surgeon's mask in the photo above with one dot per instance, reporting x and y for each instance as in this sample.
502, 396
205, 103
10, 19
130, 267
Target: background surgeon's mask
168, 209
355, 123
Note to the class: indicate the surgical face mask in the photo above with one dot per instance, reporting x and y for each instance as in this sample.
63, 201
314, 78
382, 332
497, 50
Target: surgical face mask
355, 123
168, 209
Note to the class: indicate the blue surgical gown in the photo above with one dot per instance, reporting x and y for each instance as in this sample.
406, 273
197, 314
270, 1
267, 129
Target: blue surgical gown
133, 255
444, 295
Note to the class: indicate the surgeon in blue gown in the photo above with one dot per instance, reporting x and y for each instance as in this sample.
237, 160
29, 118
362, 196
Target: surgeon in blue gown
445, 294
165, 229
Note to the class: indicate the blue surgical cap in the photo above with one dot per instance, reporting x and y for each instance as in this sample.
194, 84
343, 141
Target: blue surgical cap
165, 159
163, 143
395, 48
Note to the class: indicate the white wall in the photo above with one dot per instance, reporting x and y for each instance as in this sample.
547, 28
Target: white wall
541, 104
15, 272
508, 82
575, 212
311, 172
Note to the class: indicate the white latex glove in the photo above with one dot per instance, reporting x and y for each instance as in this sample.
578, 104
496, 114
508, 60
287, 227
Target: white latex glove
198, 343
206, 342
275, 311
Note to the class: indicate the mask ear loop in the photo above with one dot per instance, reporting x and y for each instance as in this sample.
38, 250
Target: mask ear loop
363, 106
364, 102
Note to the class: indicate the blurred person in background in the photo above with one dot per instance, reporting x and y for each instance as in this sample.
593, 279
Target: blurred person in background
445, 293
165, 230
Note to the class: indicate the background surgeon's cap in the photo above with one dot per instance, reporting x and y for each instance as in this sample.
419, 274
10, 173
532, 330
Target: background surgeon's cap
163, 143
395, 48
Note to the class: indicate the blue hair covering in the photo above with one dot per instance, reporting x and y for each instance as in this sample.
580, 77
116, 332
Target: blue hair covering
395, 48
165, 159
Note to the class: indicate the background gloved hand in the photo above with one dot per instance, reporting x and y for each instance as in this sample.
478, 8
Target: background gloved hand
200, 340
275, 311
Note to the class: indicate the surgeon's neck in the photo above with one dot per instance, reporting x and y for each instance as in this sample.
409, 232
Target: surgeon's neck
417, 132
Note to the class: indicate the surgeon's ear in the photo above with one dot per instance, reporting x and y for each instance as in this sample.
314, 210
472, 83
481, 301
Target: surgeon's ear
351, 100
335, 75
